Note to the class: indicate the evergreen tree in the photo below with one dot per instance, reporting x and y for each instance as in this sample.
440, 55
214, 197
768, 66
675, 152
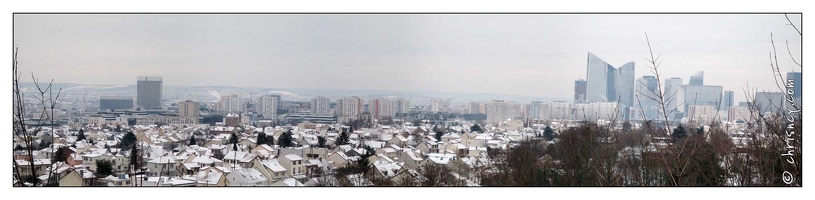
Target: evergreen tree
700, 130
476, 128
285, 139
626, 126
320, 141
342, 139
104, 167
362, 165
233, 139
18, 147
549, 133
678, 133
62, 154
44, 144
192, 140
262, 139
234, 146
438, 136
134, 157
128, 139
81, 135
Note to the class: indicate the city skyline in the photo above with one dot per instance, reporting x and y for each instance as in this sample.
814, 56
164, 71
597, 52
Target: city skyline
451, 53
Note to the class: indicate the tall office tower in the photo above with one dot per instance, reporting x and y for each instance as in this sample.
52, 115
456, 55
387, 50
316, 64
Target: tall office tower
579, 91
115, 103
349, 108
625, 89
268, 105
689, 95
647, 96
794, 82
727, 100
436, 105
189, 109
403, 106
320, 106
148, 92
672, 100
770, 102
602, 81
697, 79
231, 103
535, 109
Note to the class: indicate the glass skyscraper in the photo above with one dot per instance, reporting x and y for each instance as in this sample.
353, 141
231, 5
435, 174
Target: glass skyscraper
770, 102
699, 95
535, 109
647, 92
671, 95
697, 79
604, 83
580, 91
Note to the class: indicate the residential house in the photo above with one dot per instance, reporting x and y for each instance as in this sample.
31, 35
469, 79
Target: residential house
77, 177
427, 147
338, 159
164, 165
289, 182
270, 168
247, 177
40, 166
293, 164
74, 159
411, 159
208, 177
398, 141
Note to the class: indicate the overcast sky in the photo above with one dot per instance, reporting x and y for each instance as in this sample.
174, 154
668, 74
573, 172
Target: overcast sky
536, 55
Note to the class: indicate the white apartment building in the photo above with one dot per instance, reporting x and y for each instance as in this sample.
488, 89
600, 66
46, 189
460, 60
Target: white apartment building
321, 106
267, 105
349, 108
231, 103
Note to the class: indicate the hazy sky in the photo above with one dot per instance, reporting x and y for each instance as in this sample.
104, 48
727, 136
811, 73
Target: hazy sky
536, 55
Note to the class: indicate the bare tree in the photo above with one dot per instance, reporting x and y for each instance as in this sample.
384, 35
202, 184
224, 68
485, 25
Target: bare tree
28, 133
